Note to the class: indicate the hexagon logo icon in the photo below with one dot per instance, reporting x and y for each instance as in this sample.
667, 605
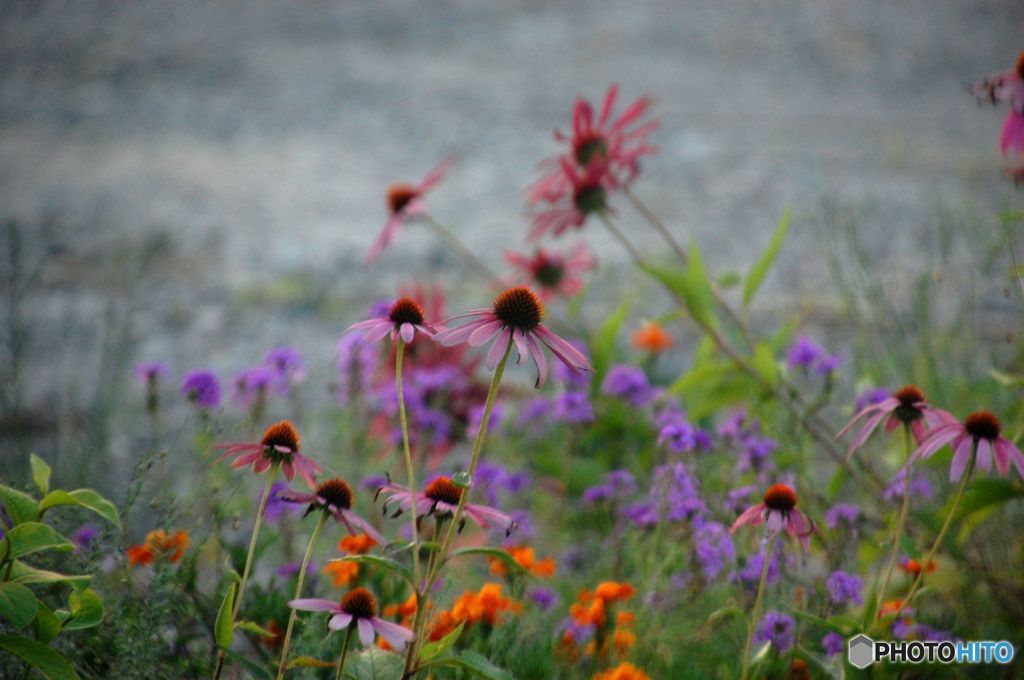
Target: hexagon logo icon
861, 651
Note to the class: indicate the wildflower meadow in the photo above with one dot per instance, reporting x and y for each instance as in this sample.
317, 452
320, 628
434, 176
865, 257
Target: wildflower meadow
544, 469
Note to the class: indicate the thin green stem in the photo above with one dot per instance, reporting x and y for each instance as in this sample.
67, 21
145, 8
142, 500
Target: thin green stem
757, 608
903, 515
658, 225
621, 238
452, 240
344, 650
942, 532
407, 450
298, 593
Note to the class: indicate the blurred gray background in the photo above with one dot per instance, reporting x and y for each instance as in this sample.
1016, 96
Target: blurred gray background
199, 181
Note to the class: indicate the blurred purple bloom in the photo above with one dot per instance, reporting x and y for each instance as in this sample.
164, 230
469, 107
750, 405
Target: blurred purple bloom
834, 643
84, 536
617, 484
844, 588
737, 500
533, 410
777, 628
808, 355
755, 454
374, 482
292, 569
673, 495
476, 415
277, 506
751, 571
493, 478
357, 361
544, 598
629, 383
919, 486
841, 512
573, 380
288, 367
573, 407
714, 549
869, 397
737, 426
202, 388
251, 385
151, 371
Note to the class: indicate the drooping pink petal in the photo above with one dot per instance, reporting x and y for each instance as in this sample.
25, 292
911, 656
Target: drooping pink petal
379, 331
295, 496
609, 104
498, 348
961, 456
407, 332
483, 333
885, 405
314, 605
365, 632
540, 360
387, 235
801, 528
246, 459
1016, 457
984, 455
483, 515
397, 636
1012, 136
864, 433
1002, 455
436, 174
936, 439
774, 522
522, 348
752, 516
262, 465
340, 621
365, 526
564, 350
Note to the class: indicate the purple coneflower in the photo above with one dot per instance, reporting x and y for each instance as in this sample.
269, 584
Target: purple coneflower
778, 511
280, 444
981, 430
1007, 87
514, 317
405, 202
334, 496
358, 608
403, 320
906, 406
201, 388
441, 499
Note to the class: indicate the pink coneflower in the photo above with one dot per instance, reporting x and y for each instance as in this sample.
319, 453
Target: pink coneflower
778, 511
335, 497
586, 194
441, 499
981, 429
906, 406
358, 608
613, 146
280, 444
404, 319
554, 272
515, 316
405, 202
1007, 87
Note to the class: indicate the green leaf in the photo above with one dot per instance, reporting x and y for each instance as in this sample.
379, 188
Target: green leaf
690, 283
462, 479
86, 610
48, 662
23, 573
432, 650
374, 664
310, 662
494, 553
85, 498
385, 563
845, 626
757, 273
728, 280
47, 625
764, 363
40, 473
603, 344
223, 628
480, 666
252, 668
30, 537
254, 628
20, 506
17, 604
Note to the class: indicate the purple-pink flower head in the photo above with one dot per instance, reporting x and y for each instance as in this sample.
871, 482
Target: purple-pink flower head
404, 320
907, 406
630, 384
201, 388
979, 436
515, 317
335, 497
808, 355
1007, 87
250, 385
358, 611
279, 446
405, 202
844, 588
441, 499
777, 628
778, 511
288, 367
149, 372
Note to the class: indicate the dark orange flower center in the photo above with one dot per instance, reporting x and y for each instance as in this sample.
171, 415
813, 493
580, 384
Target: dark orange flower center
780, 497
983, 425
282, 434
589, 198
443, 490
1020, 65
548, 271
520, 308
359, 603
908, 396
590, 147
336, 492
399, 196
406, 310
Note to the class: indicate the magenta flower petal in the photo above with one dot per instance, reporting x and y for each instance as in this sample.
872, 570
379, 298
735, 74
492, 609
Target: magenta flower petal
314, 605
397, 636
340, 621
366, 633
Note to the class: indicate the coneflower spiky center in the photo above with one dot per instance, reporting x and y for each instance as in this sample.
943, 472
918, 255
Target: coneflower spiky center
548, 271
336, 492
443, 490
780, 497
359, 603
983, 425
282, 434
1020, 65
519, 308
406, 310
589, 198
399, 196
590, 147
909, 397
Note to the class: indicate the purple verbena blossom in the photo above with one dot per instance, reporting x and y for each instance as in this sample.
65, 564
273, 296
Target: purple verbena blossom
630, 384
841, 513
573, 407
777, 628
202, 388
844, 588
713, 549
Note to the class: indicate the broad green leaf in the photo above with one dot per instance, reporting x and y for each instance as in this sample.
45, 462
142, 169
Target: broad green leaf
728, 280
47, 626
40, 473
691, 285
17, 604
20, 506
86, 610
23, 573
85, 498
494, 553
385, 563
30, 537
223, 628
603, 344
310, 662
757, 273
480, 666
45, 660
374, 664
254, 628
764, 363
838, 624
432, 650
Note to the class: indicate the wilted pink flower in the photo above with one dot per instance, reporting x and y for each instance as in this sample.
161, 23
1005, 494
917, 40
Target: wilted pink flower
441, 498
906, 406
1007, 87
405, 202
981, 429
554, 272
280, 444
335, 496
778, 511
403, 320
358, 608
515, 316
586, 194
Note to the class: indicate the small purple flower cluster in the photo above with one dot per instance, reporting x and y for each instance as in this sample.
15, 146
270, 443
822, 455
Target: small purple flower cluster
777, 628
617, 485
844, 589
630, 384
810, 356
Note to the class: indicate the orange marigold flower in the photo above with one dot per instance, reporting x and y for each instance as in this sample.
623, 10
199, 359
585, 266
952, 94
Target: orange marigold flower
527, 559
623, 640
342, 573
359, 544
139, 554
625, 618
610, 591
158, 544
442, 624
625, 671
889, 608
404, 610
588, 615
913, 567
652, 337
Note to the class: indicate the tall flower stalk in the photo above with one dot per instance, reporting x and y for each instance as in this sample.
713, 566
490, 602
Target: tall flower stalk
752, 624
407, 450
907, 439
286, 646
